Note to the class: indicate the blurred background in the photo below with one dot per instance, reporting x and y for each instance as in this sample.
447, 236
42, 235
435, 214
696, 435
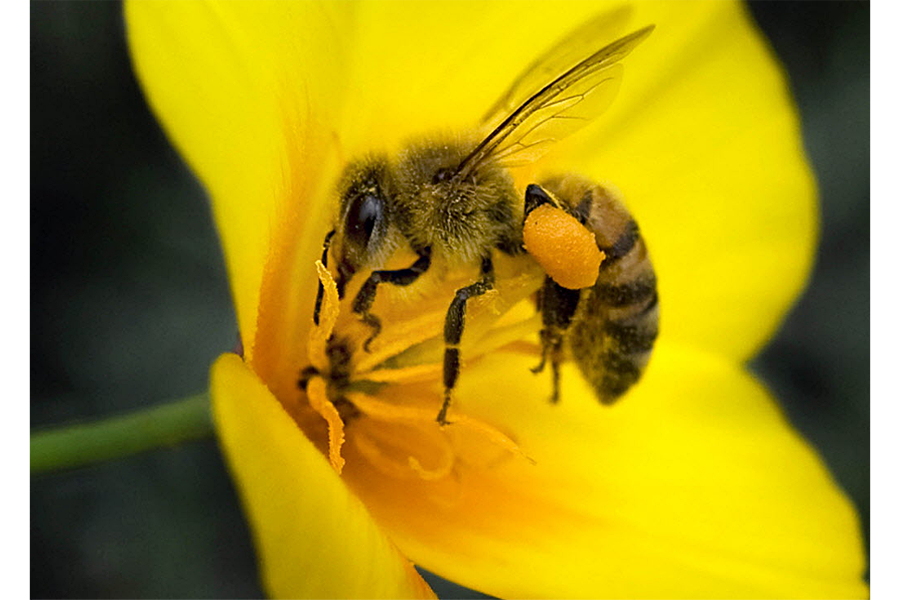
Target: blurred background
130, 305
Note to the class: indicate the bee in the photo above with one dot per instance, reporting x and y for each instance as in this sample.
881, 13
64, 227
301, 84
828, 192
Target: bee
455, 203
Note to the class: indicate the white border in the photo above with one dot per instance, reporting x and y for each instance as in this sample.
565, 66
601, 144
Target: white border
885, 290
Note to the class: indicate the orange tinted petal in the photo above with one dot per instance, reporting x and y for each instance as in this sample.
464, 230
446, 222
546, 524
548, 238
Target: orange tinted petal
234, 86
693, 485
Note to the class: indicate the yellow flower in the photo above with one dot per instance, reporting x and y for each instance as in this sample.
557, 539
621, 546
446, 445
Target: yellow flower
693, 485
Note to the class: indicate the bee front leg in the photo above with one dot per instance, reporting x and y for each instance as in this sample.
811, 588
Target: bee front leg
320, 292
557, 306
366, 295
454, 324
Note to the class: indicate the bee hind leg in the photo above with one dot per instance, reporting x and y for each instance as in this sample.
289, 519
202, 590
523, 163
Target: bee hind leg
557, 306
536, 196
551, 346
454, 323
366, 295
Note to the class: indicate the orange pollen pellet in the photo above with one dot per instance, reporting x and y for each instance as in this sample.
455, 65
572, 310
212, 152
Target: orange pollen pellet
566, 249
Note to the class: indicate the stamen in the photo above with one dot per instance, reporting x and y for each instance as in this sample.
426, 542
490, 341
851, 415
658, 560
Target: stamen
492, 434
384, 411
445, 490
414, 374
317, 394
499, 337
400, 337
318, 336
401, 438
372, 453
444, 467
524, 347
401, 450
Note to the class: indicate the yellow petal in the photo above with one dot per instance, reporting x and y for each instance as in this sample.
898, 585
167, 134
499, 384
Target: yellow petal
314, 538
692, 486
247, 93
425, 68
704, 142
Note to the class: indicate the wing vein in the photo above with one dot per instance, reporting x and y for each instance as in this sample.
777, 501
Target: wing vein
584, 91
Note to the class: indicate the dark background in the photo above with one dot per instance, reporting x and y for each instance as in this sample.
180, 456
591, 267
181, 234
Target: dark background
130, 305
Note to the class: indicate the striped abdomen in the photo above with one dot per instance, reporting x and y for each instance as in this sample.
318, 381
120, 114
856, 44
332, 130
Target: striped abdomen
616, 321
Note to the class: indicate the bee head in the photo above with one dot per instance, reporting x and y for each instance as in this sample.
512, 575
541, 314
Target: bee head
362, 228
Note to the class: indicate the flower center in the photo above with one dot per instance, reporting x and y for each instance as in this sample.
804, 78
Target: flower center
382, 400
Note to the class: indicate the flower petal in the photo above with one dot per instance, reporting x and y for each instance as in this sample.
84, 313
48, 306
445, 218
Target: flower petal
426, 68
704, 142
693, 485
246, 92
314, 538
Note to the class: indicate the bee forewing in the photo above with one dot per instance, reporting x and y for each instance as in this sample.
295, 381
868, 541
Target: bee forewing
579, 106
560, 108
571, 49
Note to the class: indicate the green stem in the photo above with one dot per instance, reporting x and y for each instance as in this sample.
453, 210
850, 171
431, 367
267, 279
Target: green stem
88, 443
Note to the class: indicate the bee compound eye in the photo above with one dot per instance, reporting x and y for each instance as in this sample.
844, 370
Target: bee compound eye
362, 218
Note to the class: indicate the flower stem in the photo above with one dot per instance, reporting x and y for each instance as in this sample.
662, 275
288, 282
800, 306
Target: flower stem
117, 437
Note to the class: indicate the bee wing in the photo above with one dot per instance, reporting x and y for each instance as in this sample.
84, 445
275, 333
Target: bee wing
570, 50
557, 117
560, 108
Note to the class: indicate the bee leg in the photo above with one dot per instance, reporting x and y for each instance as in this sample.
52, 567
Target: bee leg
536, 196
305, 375
557, 306
551, 345
321, 291
366, 296
454, 324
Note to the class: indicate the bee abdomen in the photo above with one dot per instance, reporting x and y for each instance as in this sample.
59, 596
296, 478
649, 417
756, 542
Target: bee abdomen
632, 335
613, 334
628, 341
613, 331
624, 244
614, 294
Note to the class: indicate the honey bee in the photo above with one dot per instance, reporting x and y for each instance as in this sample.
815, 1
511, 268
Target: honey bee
456, 203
